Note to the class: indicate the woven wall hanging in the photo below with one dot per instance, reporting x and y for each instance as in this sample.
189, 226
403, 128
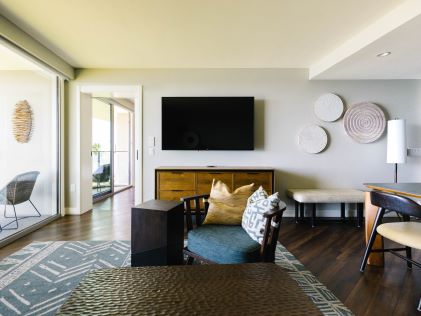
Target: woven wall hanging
364, 122
22, 122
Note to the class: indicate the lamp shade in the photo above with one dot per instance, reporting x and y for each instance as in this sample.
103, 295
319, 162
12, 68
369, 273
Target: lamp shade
396, 141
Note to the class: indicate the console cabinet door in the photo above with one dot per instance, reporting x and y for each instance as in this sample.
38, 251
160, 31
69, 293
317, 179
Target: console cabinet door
258, 178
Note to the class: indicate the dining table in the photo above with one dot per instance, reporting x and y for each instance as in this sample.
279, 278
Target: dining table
410, 190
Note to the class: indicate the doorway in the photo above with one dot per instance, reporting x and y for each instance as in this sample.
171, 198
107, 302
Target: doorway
115, 142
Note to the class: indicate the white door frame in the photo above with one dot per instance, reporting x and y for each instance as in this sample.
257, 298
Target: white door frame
138, 121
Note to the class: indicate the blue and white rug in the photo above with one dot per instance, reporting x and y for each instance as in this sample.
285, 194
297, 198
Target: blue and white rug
38, 279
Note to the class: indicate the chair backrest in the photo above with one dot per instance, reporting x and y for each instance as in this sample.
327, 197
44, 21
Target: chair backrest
19, 190
196, 206
397, 203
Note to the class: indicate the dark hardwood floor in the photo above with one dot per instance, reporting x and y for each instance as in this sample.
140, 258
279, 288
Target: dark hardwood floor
331, 251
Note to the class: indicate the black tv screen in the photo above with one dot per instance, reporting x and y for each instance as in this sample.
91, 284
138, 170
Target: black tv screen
208, 123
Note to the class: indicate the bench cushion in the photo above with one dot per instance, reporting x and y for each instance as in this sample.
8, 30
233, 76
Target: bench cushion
326, 195
223, 244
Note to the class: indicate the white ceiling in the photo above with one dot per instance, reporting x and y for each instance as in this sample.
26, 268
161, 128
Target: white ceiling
217, 33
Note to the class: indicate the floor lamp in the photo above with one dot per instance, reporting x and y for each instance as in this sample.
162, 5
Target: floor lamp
396, 143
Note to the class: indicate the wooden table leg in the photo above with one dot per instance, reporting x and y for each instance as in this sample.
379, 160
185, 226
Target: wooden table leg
375, 259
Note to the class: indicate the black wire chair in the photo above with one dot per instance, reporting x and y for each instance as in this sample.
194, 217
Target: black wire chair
18, 191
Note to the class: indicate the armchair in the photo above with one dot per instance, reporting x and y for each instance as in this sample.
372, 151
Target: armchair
227, 244
17, 191
102, 174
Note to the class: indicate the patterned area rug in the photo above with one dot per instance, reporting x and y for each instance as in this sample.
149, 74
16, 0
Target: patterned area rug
37, 279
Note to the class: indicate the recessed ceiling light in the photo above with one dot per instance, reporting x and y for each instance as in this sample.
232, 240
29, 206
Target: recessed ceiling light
383, 54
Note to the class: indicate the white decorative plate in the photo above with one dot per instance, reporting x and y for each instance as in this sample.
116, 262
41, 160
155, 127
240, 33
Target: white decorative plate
364, 122
312, 139
329, 107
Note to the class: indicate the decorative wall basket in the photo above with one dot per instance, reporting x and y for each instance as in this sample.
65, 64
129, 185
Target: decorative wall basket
329, 107
22, 122
364, 122
312, 139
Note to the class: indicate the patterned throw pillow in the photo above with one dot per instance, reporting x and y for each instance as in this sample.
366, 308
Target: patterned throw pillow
258, 204
226, 208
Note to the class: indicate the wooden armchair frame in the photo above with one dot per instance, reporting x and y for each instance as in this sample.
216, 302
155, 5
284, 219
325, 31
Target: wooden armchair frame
192, 206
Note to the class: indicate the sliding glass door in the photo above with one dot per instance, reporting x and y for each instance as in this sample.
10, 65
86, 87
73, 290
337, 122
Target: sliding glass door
101, 148
29, 146
122, 145
111, 146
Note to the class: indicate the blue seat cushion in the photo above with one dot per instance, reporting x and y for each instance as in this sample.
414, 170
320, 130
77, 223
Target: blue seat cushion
223, 244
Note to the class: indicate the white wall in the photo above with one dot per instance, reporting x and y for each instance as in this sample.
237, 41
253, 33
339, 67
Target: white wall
284, 104
40, 153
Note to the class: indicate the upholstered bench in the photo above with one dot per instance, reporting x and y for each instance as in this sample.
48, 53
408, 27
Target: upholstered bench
314, 196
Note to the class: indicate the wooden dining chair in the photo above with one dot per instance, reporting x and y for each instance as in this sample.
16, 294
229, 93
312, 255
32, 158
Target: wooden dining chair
227, 244
406, 233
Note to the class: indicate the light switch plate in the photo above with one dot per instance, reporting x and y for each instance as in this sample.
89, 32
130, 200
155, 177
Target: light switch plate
151, 151
414, 152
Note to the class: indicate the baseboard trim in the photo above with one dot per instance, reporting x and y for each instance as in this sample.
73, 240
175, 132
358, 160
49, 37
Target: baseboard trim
75, 211
28, 230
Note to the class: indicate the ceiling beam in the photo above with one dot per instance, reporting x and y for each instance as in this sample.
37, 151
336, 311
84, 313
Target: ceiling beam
16, 38
401, 15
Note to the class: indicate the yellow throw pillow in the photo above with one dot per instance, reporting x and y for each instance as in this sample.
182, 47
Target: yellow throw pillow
226, 208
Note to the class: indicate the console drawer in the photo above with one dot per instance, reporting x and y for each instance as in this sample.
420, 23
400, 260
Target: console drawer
174, 195
258, 178
204, 180
177, 180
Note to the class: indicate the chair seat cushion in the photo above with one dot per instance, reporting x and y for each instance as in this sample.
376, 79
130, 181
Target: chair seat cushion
223, 244
326, 195
404, 233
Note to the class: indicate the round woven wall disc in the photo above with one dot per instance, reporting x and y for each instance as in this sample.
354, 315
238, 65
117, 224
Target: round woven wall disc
312, 139
364, 122
329, 107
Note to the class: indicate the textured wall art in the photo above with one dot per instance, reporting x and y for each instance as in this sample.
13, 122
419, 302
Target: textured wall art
312, 139
364, 122
329, 107
22, 122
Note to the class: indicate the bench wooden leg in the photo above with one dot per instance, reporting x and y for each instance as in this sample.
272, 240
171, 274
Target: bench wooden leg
302, 211
297, 205
313, 215
343, 211
360, 208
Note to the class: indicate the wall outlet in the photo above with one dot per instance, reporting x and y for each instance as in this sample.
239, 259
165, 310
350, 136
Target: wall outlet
72, 187
151, 141
414, 152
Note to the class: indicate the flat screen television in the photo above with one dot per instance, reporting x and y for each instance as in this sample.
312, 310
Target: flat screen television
208, 123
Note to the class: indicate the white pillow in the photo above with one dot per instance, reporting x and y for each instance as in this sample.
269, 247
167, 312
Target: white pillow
258, 204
